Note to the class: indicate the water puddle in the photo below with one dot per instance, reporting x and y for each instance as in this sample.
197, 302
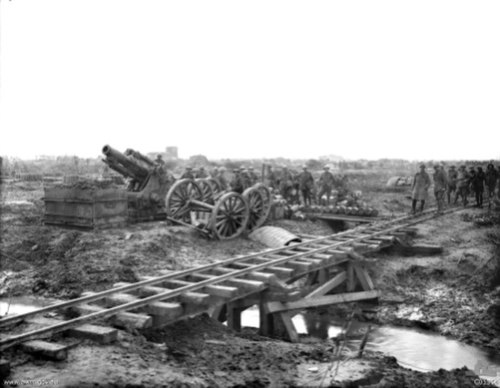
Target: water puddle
22, 304
413, 348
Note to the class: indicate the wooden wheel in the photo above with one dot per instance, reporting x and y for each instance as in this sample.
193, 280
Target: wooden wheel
206, 190
267, 196
177, 201
229, 216
216, 188
257, 206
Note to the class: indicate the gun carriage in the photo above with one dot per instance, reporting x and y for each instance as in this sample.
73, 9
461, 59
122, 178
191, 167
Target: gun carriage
153, 193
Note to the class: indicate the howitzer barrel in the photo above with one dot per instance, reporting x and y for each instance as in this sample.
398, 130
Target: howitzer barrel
119, 162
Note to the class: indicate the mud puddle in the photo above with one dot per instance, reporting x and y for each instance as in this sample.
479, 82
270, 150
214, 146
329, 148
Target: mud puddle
22, 304
414, 349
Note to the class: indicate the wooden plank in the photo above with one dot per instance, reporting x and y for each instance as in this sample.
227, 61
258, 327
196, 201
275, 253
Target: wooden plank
246, 285
361, 275
368, 279
328, 286
286, 319
350, 277
99, 334
171, 310
192, 297
325, 300
322, 275
121, 320
300, 266
46, 349
233, 316
218, 312
281, 272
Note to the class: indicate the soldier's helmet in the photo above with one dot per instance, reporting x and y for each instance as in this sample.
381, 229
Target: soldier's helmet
326, 168
304, 167
189, 168
250, 168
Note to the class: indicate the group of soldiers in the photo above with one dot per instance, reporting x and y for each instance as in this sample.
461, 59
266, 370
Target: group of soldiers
242, 177
301, 187
459, 183
292, 186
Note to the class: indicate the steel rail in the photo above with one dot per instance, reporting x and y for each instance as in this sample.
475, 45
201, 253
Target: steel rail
65, 325
177, 274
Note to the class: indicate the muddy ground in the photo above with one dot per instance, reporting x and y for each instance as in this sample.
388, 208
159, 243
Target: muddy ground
453, 293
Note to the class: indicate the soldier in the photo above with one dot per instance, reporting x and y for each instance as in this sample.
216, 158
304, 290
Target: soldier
201, 173
452, 182
306, 184
271, 178
421, 183
440, 184
214, 173
286, 183
188, 173
159, 161
221, 178
245, 178
477, 185
462, 185
254, 178
491, 178
237, 182
325, 182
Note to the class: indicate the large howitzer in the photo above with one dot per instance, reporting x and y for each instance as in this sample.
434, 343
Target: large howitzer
200, 203
148, 182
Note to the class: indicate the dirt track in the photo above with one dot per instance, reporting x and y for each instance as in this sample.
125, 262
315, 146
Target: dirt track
450, 293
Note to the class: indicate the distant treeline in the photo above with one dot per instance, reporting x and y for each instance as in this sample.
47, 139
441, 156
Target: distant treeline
73, 165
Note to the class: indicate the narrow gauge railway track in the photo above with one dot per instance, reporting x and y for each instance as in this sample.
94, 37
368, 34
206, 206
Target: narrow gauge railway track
195, 290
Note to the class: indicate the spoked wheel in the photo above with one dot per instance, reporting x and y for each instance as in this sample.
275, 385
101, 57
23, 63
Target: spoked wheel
258, 207
229, 217
178, 199
214, 183
206, 190
267, 195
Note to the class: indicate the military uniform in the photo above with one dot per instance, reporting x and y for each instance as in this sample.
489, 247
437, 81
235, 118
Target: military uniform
188, 174
237, 182
491, 178
286, 184
462, 185
477, 185
271, 179
254, 178
421, 183
201, 173
440, 184
306, 185
326, 182
452, 182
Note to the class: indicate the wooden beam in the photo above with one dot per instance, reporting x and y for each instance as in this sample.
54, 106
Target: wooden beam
364, 279
350, 277
286, 319
233, 316
322, 275
329, 285
326, 300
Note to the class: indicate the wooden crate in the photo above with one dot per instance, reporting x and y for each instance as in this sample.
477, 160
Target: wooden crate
85, 208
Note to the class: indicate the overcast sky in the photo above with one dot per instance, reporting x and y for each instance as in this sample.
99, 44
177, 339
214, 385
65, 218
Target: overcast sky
230, 79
